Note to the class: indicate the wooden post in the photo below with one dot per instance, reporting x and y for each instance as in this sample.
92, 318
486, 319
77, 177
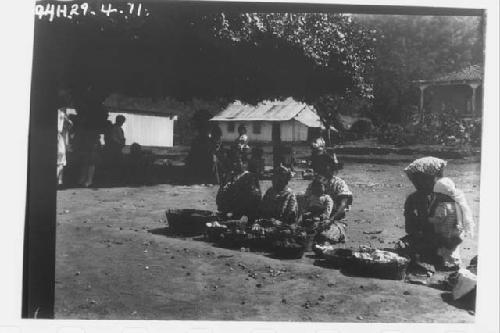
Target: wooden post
421, 104
473, 100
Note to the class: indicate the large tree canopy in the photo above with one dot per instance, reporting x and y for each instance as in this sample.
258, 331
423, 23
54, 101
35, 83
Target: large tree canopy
185, 53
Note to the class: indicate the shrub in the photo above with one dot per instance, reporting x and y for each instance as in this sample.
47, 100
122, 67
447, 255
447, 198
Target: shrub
445, 128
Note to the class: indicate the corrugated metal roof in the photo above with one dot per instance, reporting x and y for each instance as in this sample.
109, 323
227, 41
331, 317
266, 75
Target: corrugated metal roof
471, 73
265, 111
308, 118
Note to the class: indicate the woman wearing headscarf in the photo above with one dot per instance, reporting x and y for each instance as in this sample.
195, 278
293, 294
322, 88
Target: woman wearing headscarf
240, 194
279, 202
333, 230
422, 242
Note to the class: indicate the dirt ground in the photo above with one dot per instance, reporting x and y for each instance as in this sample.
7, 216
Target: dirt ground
114, 260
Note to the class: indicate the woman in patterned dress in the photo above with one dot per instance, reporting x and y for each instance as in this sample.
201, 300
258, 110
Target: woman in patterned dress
279, 202
332, 231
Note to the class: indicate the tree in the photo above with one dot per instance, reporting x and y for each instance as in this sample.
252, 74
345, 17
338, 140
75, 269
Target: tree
417, 47
209, 54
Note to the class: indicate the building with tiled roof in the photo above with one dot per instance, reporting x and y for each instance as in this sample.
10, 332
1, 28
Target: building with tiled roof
461, 90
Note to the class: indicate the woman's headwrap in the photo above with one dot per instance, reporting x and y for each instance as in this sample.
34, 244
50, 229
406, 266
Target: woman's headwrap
283, 172
466, 220
318, 144
431, 166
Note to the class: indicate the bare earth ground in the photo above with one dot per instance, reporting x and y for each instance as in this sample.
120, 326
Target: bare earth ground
109, 265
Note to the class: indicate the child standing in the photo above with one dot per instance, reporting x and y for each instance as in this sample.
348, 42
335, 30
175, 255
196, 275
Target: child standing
452, 220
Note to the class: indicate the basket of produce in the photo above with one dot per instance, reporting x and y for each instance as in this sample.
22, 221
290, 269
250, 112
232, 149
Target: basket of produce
189, 222
337, 257
372, 262
262, 233
221, 231
289, 242
233, 238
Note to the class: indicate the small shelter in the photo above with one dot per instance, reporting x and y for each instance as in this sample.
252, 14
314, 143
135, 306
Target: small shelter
288, 121
146, 124
461, 90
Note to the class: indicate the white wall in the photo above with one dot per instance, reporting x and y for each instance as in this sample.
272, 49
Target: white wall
291, 130
147, 130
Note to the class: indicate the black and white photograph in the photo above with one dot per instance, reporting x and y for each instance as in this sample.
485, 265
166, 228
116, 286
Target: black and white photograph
258, 162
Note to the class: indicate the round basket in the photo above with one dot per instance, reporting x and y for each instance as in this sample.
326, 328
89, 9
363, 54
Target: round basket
384, 270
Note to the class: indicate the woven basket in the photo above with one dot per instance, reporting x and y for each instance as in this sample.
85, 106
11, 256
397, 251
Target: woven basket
392, 270
339, 257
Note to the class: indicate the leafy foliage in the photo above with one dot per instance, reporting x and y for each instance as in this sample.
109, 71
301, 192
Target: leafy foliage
418, 47
446, 128
205, 54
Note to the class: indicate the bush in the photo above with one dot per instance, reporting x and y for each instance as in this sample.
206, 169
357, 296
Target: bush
445, 128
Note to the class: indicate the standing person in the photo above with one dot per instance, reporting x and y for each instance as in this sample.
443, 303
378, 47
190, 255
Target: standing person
116, 139
318, 148
279, 202
201, 161
422, 241
241, 143
64, 125
332, 231
217, 153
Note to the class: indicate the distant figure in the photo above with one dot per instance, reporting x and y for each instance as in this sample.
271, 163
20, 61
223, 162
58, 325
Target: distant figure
318, 148
217, 152
116, 140
201, 164
64, 125
256, 163
242, 143
89, 147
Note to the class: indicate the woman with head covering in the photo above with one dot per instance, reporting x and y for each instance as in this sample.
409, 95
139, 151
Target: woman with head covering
318, 148
279, 202
240, 194
452, 220
422, 242
332, 231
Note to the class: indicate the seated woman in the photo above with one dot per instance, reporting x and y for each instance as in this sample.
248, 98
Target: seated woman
333, 231
422, 242
279, 202
240, 195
